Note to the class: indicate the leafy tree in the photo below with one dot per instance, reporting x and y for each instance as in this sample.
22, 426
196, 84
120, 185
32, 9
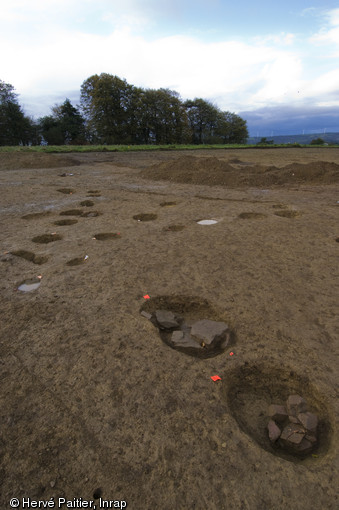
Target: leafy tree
106, 101
65, 125
162, 117
231, 128
317, 141
15, 127
264, 141
202, 116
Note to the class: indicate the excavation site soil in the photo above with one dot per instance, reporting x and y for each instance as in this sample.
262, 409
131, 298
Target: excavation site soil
97, 404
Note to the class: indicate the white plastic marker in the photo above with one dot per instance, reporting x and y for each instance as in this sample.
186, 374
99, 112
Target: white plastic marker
207, 222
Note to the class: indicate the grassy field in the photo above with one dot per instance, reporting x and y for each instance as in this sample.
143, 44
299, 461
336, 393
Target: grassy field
124, 148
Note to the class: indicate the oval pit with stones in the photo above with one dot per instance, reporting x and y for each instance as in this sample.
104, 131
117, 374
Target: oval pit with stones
190, 325
259, 398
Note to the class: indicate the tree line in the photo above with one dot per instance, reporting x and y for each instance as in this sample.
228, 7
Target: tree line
112, 111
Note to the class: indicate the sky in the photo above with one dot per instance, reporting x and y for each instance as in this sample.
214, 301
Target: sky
274, 64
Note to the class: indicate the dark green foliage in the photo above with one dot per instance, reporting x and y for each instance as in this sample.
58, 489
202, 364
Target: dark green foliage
264, 141
15, 127
119, 113
317, 141
65, 125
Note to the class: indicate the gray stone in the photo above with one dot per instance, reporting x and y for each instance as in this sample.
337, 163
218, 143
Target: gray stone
166, 319
293, 419
295, 405
273, 431
312, 438
293, 434
210, 332
277, 413
184, 341
309, 421
147, 315
304, 447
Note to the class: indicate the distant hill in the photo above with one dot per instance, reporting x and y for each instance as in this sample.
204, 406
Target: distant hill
330, 138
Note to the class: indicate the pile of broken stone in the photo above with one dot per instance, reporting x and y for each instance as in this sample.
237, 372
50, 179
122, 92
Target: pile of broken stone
292, 426
201, 336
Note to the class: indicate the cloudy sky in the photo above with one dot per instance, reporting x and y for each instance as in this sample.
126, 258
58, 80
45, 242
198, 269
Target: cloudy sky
275, 64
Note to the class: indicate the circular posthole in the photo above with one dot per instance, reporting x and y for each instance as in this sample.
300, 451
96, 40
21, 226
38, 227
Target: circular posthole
175, 228
66, 191
91, 214
167, 204
251, 216
287, 214
337, 240
63, 223
145, 217
30, 256
106, 236
77, 261
190, 325
87, 203
279, 206
251, 389
71, 212
46, 238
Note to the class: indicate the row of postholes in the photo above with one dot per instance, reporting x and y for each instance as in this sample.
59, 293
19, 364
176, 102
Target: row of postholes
294, 433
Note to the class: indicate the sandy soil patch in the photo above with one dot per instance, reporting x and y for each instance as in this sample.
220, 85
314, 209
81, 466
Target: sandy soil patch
93, 402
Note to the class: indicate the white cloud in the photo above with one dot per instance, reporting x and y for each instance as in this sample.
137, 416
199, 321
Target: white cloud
329, 32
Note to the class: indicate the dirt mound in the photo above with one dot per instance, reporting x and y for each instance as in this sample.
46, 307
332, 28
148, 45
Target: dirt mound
213, 172
17, 160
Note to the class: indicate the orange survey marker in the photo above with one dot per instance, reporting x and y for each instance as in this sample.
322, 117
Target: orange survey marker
215, 378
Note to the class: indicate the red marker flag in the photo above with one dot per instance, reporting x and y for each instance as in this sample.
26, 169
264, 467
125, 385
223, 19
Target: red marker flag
146, 296
215, 378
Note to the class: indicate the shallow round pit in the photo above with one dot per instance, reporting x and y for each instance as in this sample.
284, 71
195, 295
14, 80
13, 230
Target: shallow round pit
105, 236
78, 261
63, 223
145, 217
167, 204
91, 214
71, 212
287, 214
175, 228
47, 238
66, 191
189, 310
30, 256
251, 389
87, 203
251, 216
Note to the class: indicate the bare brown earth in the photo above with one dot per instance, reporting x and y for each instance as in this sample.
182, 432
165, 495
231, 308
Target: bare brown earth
91, 398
